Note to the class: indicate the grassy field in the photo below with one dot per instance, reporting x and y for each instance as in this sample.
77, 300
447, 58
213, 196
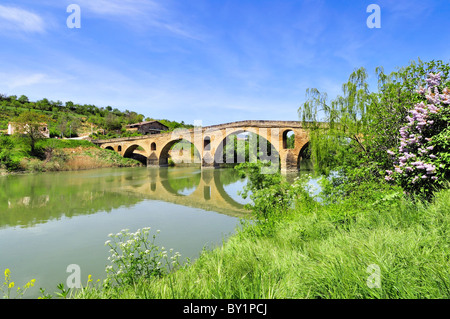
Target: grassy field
381, 246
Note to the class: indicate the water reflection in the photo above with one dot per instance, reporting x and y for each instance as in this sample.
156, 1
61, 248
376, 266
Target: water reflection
27, 200
49, 221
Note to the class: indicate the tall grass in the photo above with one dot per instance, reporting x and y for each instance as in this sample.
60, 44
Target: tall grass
313, 254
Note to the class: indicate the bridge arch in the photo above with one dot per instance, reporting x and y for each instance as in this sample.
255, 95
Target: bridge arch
288, 138
304, 157
179, 156
207, 143
141, 155
130, 149
305, 152
269, 150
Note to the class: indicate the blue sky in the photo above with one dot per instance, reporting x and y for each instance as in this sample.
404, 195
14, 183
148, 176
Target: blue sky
216, 61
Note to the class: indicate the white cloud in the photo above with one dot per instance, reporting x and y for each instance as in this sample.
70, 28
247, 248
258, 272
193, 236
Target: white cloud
14, 80
16, 19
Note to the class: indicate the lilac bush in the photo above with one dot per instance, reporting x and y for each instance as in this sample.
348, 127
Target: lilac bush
421, 161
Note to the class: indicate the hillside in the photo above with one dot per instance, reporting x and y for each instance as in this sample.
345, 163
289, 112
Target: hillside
65, 120
71, 120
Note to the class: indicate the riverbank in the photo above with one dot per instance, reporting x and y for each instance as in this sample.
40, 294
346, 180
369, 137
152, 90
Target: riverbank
372, 244
63, 155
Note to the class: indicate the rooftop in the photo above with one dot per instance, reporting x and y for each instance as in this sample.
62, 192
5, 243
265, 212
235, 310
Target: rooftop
142, 123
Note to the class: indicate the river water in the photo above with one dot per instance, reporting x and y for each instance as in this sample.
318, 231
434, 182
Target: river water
52, 220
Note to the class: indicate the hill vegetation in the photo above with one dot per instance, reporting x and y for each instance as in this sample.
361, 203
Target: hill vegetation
70, 119
29, 152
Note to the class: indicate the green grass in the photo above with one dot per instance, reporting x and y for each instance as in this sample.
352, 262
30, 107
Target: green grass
63, 143
316, 253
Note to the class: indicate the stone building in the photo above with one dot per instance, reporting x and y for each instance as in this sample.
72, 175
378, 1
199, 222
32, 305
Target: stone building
14, 127
148, 127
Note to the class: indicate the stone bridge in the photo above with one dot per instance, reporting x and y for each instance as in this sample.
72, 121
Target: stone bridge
211, 142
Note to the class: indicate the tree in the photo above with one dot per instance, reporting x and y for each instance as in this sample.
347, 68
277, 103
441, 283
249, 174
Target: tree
133, 117
338, 136
30, 124
70, 105
62, 125
23, 99
112, 122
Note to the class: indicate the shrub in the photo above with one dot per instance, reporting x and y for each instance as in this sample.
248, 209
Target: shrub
422, 160
272, 196
134, 257
7, 158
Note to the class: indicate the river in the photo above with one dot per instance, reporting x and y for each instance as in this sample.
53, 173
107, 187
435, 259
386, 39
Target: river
49, 221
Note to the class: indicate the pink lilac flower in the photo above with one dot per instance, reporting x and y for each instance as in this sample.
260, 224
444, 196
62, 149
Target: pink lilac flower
421, 90
434, 79
411, 139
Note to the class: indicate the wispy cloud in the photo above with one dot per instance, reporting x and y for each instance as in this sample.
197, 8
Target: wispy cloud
408, 9
139, 14
13, 81
20, 20
120, 7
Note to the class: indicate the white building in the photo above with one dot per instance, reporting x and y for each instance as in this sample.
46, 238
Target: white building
12, 128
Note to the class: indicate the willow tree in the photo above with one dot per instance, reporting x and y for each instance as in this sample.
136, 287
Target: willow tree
340, 131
